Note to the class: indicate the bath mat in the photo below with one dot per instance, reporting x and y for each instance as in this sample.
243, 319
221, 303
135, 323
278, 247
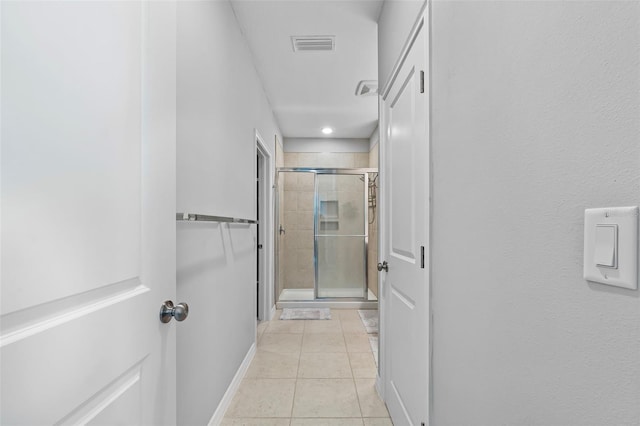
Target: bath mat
306, 314
369, 319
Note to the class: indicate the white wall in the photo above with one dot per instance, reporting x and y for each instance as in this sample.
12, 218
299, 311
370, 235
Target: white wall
536, 116
374, 139
220, 102
394, 24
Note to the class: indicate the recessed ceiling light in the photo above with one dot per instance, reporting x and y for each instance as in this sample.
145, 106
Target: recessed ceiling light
327, 130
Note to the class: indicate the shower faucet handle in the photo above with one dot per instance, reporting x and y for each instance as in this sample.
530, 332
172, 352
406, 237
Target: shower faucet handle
281, 230
384, 265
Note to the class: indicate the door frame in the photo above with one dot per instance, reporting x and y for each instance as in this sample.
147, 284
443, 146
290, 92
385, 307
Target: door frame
336, 301
265, 228
423, 20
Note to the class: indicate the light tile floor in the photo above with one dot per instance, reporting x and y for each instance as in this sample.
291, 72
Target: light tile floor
310, 373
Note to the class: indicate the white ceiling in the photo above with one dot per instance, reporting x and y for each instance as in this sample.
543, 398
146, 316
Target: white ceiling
310, 90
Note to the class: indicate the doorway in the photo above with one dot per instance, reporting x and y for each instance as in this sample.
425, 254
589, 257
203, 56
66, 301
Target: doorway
264, 236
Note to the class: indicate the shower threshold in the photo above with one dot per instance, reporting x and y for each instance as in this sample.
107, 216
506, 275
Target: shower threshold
303, 298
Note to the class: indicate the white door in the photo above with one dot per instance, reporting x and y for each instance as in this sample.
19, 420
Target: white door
88, 212
405, 307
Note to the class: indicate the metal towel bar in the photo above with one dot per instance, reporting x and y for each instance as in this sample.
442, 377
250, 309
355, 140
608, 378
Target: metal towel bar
206, 218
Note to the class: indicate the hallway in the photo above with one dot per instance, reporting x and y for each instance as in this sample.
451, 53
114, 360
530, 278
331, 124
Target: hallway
310, 372
502, 244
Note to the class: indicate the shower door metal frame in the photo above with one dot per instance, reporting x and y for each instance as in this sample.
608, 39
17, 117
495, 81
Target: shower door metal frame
332, 171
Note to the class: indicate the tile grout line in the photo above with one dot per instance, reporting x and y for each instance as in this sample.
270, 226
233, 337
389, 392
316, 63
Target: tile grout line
295, 384
306, 331
353, 378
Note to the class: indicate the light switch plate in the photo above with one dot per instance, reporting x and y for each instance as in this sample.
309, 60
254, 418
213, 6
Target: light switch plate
624, 273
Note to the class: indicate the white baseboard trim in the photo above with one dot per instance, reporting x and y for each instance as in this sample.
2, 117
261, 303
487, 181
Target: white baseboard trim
273, 312
379, 387
218, 415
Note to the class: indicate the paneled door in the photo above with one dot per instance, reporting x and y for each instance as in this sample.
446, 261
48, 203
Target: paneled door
88, 212
405, 304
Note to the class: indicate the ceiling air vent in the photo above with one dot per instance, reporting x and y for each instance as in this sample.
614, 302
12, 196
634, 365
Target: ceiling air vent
313, 43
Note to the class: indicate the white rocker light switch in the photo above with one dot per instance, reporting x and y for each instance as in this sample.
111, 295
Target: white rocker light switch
611, 246
606, 249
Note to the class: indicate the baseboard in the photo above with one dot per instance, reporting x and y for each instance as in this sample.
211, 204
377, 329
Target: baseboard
218, 415
273, 312
379, 387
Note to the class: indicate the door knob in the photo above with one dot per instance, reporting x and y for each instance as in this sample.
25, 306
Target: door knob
167, 311
384, 265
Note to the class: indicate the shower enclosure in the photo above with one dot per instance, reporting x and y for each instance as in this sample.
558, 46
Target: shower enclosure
322, 236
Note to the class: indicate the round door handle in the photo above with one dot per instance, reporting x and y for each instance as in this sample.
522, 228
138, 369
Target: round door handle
384, 265
167, 311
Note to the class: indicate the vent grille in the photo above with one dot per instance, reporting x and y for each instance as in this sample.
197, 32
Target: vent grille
367, 88
313, 43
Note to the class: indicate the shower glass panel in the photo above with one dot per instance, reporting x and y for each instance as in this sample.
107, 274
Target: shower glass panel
296, 269
341, 235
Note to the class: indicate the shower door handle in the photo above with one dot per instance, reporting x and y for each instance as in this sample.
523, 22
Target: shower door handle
383, 266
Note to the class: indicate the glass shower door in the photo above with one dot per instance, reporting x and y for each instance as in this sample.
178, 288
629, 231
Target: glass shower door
341, 235
295, 236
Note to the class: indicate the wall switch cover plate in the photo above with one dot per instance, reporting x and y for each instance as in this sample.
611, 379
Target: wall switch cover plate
611, 246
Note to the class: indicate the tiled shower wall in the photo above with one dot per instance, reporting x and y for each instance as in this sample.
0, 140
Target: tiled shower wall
297, 242
347, 160
372, 260
296, 268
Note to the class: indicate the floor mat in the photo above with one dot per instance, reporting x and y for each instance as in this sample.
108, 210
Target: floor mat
369, 318
306, 314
